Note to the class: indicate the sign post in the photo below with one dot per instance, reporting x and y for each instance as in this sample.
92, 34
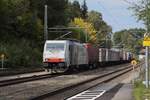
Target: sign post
2, 60
133, 63
146, 43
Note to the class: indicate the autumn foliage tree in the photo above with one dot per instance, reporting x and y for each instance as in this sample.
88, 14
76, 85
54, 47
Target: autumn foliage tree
88, 28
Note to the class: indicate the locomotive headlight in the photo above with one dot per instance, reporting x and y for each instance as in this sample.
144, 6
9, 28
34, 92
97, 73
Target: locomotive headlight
46, 59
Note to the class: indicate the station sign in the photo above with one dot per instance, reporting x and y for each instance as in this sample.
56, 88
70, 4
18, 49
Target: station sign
146, 41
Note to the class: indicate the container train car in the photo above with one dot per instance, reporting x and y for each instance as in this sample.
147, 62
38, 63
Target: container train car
62, 55
92, 55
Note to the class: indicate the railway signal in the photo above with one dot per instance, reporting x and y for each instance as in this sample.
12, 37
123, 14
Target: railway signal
133, 62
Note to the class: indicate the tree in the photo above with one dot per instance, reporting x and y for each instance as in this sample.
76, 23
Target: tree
142, 11
129, 39
95, 18
20, 32
84, 9
76, 11
89, 30
4, 18
103, 30
73, 10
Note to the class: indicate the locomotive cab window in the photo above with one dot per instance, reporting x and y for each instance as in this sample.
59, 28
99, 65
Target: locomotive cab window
55, 46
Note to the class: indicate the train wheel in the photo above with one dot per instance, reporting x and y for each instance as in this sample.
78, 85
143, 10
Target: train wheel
46, 70
90, 66
94, 66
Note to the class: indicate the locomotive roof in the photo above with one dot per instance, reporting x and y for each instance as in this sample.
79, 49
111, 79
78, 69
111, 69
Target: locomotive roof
60, 41
55, 41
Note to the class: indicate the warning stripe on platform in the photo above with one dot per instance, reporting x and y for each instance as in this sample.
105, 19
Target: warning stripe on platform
88, 95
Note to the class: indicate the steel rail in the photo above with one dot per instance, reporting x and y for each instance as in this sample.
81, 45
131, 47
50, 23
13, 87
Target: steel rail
26, 79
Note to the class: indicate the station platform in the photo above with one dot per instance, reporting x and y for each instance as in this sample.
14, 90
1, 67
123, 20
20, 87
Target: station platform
124, 93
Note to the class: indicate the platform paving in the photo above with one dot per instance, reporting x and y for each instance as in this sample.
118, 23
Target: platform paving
126, 91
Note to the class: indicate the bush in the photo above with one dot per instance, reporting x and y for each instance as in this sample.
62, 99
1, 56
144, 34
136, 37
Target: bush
140, 92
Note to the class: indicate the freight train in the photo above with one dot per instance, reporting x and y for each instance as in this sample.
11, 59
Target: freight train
62, 55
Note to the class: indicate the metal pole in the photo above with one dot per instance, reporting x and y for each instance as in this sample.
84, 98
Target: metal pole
45, 24
146, 68
106, 41
85, 36
147, 51
2, 62
133, 73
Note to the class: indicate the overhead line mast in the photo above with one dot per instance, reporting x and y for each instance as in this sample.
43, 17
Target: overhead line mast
45, 24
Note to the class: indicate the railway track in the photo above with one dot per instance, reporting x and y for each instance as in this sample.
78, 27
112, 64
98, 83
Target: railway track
52, 85
26, 79
85, 84
19, 79
14, 81
10, 72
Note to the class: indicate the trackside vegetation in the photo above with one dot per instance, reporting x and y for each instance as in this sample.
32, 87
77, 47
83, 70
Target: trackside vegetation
140, 92
141, 10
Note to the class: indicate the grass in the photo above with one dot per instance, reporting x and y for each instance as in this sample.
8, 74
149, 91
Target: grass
140, 92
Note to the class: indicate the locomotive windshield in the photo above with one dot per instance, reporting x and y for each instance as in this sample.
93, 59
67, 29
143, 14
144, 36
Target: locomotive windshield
54, 46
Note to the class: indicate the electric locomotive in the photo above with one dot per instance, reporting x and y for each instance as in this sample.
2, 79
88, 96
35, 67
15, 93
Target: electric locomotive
62, 55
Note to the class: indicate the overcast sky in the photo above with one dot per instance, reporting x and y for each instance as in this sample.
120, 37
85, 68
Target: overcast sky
115, 13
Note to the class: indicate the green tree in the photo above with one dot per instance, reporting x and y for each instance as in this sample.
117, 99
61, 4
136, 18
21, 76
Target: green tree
142, 11
56, 11
103, 30
95, 18
4, 19
20, 32
84, 9
74, 10
129, 39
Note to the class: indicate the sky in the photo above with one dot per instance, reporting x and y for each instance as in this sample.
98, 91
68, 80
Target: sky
115, 13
